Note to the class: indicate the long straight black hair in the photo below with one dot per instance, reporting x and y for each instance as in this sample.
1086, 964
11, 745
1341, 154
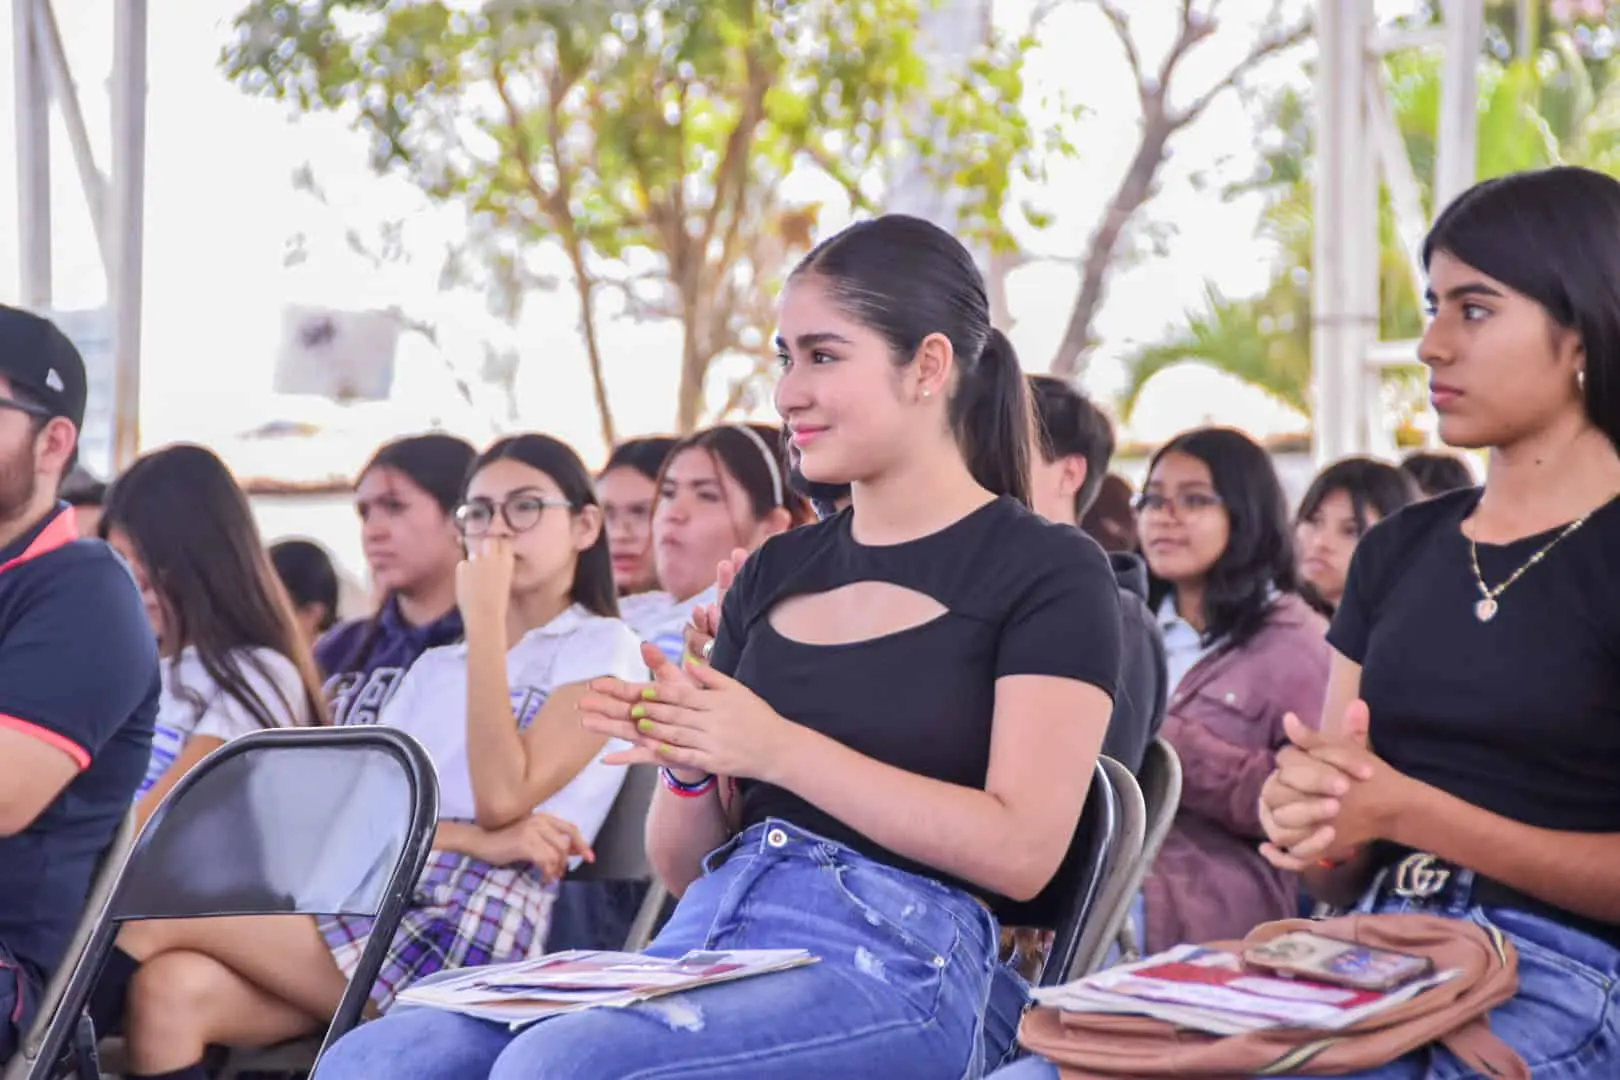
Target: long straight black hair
1259, 557
593, 587
192, 527
906, 278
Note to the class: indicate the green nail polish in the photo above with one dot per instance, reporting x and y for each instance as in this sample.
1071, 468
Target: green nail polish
650, 693
646, 726
637, 711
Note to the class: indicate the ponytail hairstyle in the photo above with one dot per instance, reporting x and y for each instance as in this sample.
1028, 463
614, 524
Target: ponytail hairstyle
905, 279
436, 463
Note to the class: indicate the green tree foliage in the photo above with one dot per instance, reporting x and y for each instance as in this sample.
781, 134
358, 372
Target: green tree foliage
1559, 104
649, 141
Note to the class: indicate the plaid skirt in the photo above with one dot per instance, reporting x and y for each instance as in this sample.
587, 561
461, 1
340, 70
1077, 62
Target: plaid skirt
465, 912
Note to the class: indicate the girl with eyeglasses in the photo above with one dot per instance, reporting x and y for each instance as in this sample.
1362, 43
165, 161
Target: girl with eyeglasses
1244, 650
522, 788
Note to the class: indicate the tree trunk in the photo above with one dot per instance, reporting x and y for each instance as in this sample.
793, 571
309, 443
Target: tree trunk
1134, 189
585, 286
694, 372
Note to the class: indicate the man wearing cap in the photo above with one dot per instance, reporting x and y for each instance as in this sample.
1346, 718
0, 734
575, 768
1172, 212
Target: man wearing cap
78, 672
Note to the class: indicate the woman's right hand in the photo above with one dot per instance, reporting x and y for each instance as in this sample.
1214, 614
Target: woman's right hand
546, 841
705, 624
1300, 801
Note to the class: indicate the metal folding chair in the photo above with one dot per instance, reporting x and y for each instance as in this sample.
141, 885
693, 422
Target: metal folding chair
112, 861
317, 821
1069, 900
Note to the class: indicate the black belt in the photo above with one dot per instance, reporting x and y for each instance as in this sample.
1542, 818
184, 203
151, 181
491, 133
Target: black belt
1422, 878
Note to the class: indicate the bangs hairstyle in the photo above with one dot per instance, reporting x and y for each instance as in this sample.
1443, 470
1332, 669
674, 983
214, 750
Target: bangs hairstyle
752, 455
905, 278
593, 587
1372, 486
1552, 235
1259, 555
192, 527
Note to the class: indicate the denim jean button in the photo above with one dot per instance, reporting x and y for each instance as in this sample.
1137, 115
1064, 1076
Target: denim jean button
776, 838
939, 961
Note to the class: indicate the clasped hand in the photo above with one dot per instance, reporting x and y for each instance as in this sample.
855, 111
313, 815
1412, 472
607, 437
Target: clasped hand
692, 718
1329, 795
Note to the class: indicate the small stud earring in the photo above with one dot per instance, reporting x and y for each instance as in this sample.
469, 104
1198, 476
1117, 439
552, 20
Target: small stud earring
926, 391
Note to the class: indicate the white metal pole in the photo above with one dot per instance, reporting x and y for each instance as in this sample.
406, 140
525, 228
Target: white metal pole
1457, 150
48, 38
33, 160
1344, 304
126, 218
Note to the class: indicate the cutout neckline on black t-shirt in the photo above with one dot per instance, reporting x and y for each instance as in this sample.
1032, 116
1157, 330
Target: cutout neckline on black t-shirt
940, 613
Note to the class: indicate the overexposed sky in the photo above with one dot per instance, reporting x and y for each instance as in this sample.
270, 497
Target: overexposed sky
222, 208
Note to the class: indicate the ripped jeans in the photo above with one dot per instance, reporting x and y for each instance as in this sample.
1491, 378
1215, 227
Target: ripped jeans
900, 990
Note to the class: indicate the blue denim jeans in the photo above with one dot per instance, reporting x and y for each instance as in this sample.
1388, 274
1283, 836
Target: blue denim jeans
1564, 1021
900, 990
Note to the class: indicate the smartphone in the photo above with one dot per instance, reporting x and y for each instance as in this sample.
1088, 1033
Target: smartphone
1318, 958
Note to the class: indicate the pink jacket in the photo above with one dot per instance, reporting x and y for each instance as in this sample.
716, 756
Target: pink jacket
1209, 882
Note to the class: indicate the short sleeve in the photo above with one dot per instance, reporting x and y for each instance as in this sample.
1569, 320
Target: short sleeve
600, 647
270, 677
1065, 620
408, 693
83, 616
1353, 618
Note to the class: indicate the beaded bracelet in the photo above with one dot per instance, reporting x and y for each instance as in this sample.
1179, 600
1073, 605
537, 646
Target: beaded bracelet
682, 788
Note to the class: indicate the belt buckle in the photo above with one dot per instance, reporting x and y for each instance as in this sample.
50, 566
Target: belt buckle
1420, 876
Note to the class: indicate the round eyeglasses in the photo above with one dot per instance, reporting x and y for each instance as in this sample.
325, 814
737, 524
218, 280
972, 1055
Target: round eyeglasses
522, 512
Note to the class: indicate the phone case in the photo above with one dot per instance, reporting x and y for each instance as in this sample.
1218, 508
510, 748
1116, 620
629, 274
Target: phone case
1304, 955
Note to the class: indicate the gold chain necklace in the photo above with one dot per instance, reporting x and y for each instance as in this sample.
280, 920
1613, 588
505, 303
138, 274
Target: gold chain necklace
1486, 608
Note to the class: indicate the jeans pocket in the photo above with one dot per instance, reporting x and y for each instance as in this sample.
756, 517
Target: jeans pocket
1562, 1020
909, 938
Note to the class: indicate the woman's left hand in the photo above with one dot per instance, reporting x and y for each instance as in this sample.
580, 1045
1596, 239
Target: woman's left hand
709, 723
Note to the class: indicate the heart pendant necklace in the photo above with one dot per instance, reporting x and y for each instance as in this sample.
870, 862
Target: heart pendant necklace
1487, 606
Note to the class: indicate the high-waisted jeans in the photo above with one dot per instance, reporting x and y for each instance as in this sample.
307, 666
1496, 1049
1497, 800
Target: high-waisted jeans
900, 990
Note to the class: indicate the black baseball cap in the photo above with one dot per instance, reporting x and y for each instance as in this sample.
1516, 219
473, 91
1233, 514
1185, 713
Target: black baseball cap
39, 359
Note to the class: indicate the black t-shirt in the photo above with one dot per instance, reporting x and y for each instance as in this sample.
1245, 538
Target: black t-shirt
1023, 597
79, 672
1519, 715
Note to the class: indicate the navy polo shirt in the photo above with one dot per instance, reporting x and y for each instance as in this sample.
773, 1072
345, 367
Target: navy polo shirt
78, 672
363, 660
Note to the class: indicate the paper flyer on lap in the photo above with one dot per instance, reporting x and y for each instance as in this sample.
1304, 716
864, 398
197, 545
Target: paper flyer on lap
529, 990
1211, 991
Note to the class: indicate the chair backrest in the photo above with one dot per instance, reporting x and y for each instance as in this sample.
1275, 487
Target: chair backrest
1161, 791
621, 843
320, 821
1068, 900
101, 887
1120, 880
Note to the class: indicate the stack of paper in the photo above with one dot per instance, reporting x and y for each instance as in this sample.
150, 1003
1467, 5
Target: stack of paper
530, 990
1211, 991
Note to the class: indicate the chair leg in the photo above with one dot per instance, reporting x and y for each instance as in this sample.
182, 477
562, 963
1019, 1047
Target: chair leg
86, 1062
